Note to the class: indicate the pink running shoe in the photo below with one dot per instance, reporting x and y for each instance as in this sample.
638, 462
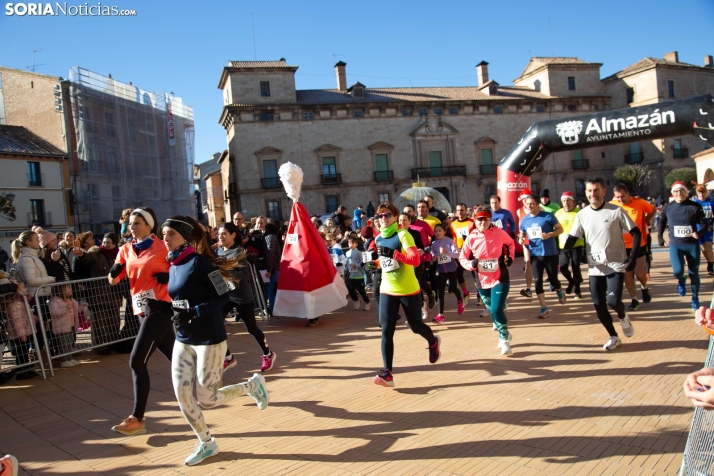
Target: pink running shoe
229, 363
439, 319
460, 307
268, 361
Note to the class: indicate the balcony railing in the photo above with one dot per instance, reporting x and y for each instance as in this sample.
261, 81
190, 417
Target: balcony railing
489, 169
383, 175
438, 171
582, 164
40, 220
635, 158
35, 180
271, 182
331, 179
680, 152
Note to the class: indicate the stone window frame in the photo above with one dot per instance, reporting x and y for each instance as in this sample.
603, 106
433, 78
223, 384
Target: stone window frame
453, 111
407, 111
332, 195
381, 148
541, 108
268, 153
498, 109
264, 89
379, 195
634, 94
485, 143
328, 150
268, 201
308, 115
357, 113
571, 83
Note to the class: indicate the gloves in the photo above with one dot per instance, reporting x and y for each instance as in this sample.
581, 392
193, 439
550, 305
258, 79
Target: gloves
161, 278
507, 260
116, 269
630, 264
375, 256
386, 252
474, 263
153, 306
182, 317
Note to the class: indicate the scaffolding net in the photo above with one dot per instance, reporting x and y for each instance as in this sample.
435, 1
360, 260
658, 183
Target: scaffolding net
134, 148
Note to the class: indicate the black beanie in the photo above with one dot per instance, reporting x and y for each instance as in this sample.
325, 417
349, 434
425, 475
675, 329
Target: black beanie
545, 193
182, 227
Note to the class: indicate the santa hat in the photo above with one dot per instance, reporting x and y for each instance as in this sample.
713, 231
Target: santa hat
677, 185
525, 193
309, 285
567, 195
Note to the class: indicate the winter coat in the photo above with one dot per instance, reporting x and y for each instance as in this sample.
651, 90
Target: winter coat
64, 314
92, 264
57, 268
272, 253
18, 323
31, 271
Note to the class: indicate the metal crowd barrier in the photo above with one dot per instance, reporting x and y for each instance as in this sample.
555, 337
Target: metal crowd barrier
698, 459
259, 288
100, 313
20, 347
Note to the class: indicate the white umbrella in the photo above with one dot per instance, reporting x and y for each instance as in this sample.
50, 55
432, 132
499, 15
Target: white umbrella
418, 191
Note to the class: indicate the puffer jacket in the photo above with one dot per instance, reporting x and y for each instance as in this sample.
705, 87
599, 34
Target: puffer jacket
64, 313
18, 323
31, 271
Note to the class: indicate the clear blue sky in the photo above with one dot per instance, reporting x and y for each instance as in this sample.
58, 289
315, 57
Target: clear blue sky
182, 46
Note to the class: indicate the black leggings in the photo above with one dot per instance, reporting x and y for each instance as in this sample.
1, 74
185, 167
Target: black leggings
156, 332
607, 291
568, 258
388, 317
422, 274
451, 277
550, 265
247, 315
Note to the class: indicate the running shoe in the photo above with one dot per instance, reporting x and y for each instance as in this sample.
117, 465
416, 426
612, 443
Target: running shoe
484, 313
526, 292
259, 392
367, 306
569, 289
505, 347
424, 313
578, 296
635, 305
467, 296
552, 288
495, 327
355, 305
438, 319
435, 350
681, 290
312, 322
627, 327
203, 450
384, 378
543, 312
460, 307
11, 465
268, 361
69, 363
508, 339
612, 343
561, 296
695, 304
130, 426
646, 296
229, 363
432, 300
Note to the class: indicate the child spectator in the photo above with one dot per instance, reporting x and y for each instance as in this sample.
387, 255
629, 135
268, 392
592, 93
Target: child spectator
336, 253
64, 312
355, 281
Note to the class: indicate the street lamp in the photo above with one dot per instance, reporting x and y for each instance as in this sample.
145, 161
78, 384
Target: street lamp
10, 196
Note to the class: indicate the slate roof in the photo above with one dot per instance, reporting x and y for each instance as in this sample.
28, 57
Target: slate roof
16, 140
647, 63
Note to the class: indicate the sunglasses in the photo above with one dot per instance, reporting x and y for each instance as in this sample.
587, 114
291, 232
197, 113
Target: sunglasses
384, 215
482, 219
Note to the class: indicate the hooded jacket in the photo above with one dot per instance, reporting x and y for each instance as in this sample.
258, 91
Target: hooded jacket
490, 244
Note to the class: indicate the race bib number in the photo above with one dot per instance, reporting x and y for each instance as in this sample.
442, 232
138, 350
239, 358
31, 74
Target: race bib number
388, 264
487, 265
498, 224
366, 256
682, 231
597, 257
291, 239
443, 259
354, 268
181, 304
220, 283
138, 301
535, 232
463, 233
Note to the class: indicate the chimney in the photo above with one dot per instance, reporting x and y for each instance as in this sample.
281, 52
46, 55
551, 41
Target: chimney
708, 61
341, 76
482, 73
673, 56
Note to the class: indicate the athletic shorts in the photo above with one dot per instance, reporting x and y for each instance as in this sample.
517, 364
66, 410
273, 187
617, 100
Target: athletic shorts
642, 251
705, 238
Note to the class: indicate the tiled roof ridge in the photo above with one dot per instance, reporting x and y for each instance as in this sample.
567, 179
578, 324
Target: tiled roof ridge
20, 140
648, 62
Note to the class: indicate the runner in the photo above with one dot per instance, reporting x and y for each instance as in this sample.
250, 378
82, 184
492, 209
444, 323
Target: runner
399, 286
241, 299
143, 261
545, 203
528, 269
570, 257
490, 251
705, 239
538, 232
405, 221
461, 227
198, 286
601, 225
641, 212
427, 234
687, 222
502, 218
445, 256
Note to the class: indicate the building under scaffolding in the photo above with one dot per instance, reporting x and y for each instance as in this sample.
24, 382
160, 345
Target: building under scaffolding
134, 148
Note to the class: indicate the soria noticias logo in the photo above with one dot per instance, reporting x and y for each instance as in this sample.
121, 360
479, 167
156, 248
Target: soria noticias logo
65, 9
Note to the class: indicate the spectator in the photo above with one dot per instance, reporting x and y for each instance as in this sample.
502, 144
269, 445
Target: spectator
124, 221
65, 318
272, 254
338, 217
55, 262
30, 269
110, 247
357, 217
67, 246
3, 259
433, 211
60, 236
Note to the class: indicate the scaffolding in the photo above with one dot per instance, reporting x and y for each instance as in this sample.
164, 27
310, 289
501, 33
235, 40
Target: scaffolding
134, 148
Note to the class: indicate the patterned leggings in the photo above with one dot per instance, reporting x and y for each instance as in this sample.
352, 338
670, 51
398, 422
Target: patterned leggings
201, 367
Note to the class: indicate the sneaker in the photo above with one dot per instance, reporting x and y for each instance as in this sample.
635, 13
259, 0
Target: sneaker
543, 312
634, 306
484, 313
268, 361
646, 296
355, 305
439, 319
11, 465
681, 290
561, 296
131, 426
505, 347
495, 327
627, 328
552, 288
367, 306
432, 300
467, 296
695, 304
259, 393
578, 296
229, 363
424, 313
612, 343
460, 307
69, 363
569, 289
435, 350
312, 322
203, 450
526, 292
384, 378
